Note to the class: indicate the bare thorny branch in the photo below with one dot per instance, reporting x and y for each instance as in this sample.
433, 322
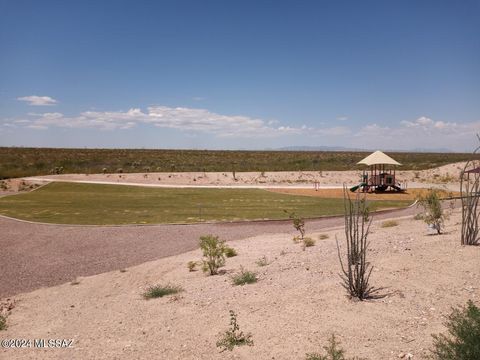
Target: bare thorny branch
357, 270
470, 195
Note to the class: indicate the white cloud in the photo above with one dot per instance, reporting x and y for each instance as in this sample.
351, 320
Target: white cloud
185, 119
423, 132
342, 118
35, 100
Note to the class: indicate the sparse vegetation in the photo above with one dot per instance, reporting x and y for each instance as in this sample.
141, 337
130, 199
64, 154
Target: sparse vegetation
418, 216
230, 252
389, 223
323, 236
333, 352
3, 185
463, 340
357, 270
308, 242
299, 225
158, 291
213, 253
234, 337
192, 266
262, 261
244, 277
433, 211
3, 322
20, 162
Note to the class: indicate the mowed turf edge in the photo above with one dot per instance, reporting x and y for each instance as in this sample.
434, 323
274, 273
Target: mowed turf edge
98, 204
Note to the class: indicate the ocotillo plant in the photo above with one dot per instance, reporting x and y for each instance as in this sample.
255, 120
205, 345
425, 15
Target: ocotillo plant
470, 195
357, 270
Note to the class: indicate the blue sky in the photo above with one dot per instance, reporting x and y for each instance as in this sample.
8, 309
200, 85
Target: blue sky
240, 74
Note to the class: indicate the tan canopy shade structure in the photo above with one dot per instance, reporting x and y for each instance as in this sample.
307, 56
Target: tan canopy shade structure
378, 158
381, 174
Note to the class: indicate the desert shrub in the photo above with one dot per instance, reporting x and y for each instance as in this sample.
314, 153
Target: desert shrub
244, 277
213, 253
298, 223
3, 185
307, 242
230, 252
333, 352
323, 236
233, 336
104, 170
119, 170
433, 211
192, 265
418, 216
3, 322
389, 223
357, 270
157, 291
463, 341
262, 261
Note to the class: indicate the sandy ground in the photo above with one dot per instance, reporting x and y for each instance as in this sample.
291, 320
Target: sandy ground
445, 176
295, 306
36, 255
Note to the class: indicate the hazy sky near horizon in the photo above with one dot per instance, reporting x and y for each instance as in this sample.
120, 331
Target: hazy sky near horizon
240, 74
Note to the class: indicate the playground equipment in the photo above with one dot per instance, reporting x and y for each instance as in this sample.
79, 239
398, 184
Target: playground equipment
381, 175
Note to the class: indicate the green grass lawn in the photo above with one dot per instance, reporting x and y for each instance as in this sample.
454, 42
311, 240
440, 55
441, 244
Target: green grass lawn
71, 203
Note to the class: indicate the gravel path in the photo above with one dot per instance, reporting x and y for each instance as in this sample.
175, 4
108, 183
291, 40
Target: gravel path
38, 255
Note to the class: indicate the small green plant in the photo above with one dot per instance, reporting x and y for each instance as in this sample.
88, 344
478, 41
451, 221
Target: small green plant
158, 291
418, 216
230, 252
308, 242
244, 277
213, 253
262, 261
389, 223
234, 337
463, 341
3, 322
434, 215
323, 236
192, 266
333, 352
298, 223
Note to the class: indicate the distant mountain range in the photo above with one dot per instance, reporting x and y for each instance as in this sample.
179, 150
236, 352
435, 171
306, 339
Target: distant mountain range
342, 148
